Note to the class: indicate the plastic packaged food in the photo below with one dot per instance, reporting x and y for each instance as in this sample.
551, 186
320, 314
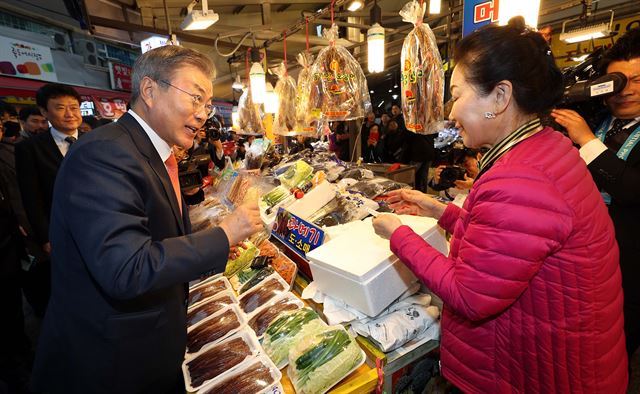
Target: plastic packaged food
422, 74
319, 361
338, 88
285, 119
210, 306
296, 175
287, 330
261, 294
214, 328
304, 122
214, 360
285, 267
249, 119
260, 319
247, 253
275, 196
255, 376
207, 289
253, 281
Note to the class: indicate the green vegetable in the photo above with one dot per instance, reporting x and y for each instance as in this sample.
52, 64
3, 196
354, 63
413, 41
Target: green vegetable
255, 279
296, 175
275, 196
246, 256
290, 325
331, 343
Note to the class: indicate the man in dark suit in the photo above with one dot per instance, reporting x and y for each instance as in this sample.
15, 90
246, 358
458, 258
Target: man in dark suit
37, 161
122, 252
612, 155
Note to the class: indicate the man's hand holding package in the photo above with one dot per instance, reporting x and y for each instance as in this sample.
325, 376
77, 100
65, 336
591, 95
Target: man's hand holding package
243, 222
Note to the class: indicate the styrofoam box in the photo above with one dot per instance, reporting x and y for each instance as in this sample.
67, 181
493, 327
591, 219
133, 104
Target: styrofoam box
359, 268
315, 199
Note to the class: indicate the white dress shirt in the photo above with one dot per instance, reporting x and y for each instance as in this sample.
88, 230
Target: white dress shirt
59, 137
163, 149
594, 148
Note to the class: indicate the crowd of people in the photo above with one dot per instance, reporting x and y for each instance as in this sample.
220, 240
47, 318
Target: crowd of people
544, 250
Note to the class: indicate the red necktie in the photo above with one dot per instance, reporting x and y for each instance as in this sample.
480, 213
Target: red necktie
172, 169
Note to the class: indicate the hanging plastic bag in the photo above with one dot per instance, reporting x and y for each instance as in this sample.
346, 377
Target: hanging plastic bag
422, 74
249, 120
305, 122
339, 88
285, 120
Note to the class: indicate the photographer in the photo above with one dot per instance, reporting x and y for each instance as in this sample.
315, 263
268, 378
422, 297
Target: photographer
213, 142
457, 179
613, 158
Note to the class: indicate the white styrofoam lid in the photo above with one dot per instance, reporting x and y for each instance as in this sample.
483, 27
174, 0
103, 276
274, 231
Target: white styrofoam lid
360, 253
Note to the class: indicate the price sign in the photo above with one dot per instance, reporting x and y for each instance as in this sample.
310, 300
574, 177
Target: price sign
298, 234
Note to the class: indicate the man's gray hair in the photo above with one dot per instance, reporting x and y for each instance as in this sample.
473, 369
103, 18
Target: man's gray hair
161, 63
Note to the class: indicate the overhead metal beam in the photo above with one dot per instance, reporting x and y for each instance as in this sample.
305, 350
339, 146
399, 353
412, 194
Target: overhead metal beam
238, 9
283, 8
266, 13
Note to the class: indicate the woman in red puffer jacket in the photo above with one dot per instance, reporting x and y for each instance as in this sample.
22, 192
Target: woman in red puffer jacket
532, 287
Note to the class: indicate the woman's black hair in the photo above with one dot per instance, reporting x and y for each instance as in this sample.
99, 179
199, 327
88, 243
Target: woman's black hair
516, 54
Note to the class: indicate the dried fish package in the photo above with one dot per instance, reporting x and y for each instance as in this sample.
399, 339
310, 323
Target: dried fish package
260, 319
214, 360
422, 75
304, 121
249, 119
339, 88
265, 291
209, 307
214, 328
207, 289
255, 376
285, 118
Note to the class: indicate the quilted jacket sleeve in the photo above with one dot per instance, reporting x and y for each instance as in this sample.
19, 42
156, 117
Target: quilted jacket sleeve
516, 219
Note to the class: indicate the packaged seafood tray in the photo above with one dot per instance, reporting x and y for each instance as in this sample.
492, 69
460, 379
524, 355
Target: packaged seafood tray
264, 292
210, 306
320, 360
257, 375
247, 277
214, 328
207, 289
276, 260
202, 280
260, 319
214, 360
287, 330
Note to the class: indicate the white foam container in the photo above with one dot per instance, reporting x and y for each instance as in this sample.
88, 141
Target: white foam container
358, 267
315, 199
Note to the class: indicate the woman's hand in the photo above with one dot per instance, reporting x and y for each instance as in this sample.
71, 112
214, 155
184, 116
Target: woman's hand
385, 225
413, 202
467, 183
576, 126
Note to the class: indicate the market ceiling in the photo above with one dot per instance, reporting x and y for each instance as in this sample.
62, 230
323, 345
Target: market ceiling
265, 20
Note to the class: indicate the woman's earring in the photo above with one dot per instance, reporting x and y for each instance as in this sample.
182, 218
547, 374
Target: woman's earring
489, 115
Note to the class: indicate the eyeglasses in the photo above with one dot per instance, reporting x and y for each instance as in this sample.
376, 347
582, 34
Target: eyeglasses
198, 103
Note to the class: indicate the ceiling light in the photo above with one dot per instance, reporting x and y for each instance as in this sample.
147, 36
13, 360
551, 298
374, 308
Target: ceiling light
585, 33
237, 84
435, 5
390, 90
355, 5
375, 48
198, 20
381, 102
395, 86
258, 84
580, 58
395, 96
271, 101
371, 91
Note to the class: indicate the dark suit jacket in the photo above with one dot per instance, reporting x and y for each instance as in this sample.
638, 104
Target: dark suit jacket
37, 161
122, 255
621, 179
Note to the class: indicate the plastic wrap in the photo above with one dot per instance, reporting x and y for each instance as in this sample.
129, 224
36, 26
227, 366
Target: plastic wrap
260, 319
285, 119
321, 360
214, 328
305, 123
247, 253
287, 330
209, 307
264, 292
422, 74
255, 376
296, 175
207, 289
249, 119
338, 89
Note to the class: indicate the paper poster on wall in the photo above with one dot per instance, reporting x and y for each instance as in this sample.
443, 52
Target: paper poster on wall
24, 59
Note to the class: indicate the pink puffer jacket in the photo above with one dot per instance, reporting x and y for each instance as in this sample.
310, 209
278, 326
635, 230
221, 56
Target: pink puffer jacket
532, 287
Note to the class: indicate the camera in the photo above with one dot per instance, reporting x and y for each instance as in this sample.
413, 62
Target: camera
212, 127
449, 176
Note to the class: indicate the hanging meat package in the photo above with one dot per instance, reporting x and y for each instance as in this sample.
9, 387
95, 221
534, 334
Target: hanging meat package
249, 119
422, 74
305, 122
285, 121
338, 86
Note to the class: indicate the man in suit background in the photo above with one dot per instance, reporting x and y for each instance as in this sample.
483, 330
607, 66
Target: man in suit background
32, 122
122, 252
37, 161
612, 155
